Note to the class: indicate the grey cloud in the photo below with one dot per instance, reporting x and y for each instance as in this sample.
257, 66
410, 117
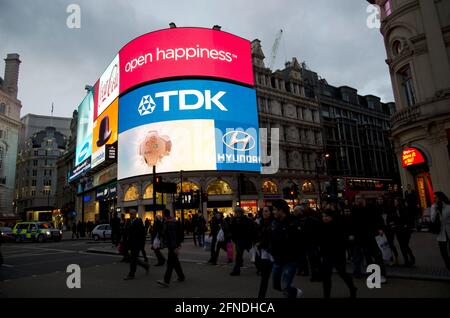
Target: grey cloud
331, 36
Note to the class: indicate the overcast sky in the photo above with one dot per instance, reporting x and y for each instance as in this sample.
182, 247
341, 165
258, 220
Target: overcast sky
330, 36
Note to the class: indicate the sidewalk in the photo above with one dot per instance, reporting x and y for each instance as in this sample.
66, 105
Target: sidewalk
429, 265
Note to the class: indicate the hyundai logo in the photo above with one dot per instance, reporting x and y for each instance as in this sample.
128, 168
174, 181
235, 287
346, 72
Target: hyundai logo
239, 137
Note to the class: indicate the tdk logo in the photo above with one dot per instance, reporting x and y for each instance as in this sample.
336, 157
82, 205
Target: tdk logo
197, 98
146, 106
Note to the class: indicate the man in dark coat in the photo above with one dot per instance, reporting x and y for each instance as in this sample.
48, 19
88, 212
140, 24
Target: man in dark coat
173, 237
242, 229
285, 237
365, 225
136, 233
332, 246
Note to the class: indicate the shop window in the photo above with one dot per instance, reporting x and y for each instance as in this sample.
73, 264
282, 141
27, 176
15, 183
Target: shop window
148, 193
270, 187
132, 194
187, 187
219, 187
308, 187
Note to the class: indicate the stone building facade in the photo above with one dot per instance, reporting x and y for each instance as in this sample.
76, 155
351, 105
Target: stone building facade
9, 135
417, 40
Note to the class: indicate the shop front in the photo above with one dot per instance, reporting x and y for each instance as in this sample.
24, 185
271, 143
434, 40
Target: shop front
250, 207
416, 163
106, 196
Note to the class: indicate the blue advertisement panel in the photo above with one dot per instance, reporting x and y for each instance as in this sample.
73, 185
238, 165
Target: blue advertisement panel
188, 125
84, 129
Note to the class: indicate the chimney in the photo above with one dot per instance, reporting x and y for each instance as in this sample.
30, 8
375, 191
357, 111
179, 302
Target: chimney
11, 74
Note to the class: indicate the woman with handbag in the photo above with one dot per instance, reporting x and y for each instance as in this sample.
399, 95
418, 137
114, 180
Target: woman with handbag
440, 218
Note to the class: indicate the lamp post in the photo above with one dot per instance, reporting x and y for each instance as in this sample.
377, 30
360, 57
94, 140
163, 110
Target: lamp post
82, 183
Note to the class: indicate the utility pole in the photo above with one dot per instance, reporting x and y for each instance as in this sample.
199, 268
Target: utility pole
181, 201
154, 192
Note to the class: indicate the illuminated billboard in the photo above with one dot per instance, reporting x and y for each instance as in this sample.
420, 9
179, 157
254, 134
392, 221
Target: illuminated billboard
181, 52
188, 125
84, 129
107, 87
412, 156
105, 133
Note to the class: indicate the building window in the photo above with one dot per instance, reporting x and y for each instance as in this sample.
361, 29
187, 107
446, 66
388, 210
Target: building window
219, 187
2, 108
47, 192
308, 187
2, 154
36, 153
269, 187
34, 173
387, 7
35, 163
148, 193
407, 85
187, 187
131, 194
33, 193
397, 48
33, 182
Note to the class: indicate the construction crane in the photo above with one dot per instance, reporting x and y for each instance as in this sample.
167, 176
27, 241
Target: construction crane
273, 54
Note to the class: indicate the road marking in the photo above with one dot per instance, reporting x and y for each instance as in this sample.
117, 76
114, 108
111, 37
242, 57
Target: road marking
7, 265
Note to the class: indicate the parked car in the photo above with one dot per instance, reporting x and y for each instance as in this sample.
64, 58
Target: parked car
6, 234
101, 231
36, 231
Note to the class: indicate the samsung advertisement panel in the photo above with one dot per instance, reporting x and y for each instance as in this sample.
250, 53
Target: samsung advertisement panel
84, 129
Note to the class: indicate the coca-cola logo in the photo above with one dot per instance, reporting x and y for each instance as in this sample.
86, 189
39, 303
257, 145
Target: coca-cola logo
111, 84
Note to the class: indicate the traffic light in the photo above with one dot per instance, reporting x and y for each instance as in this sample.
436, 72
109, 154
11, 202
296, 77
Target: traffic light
157, 183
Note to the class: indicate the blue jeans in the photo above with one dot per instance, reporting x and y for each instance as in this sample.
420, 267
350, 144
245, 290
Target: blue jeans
283, 275
200, 239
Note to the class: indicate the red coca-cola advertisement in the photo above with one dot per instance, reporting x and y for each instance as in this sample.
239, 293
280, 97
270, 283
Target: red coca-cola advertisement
181, 52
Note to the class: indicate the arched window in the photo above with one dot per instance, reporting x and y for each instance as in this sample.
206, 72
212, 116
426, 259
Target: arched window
131, 194
148, 193
397, 48
308, 187
270, 187
219, 187
188, 187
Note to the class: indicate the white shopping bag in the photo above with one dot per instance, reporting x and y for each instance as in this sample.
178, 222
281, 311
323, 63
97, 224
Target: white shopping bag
220, 236
383, 244
156, 243
207, 243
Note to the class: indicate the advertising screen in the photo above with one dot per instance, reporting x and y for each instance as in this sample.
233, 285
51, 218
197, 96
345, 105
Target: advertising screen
412, 156
185, 52
105, 133
188, 125
107, 87
84, 129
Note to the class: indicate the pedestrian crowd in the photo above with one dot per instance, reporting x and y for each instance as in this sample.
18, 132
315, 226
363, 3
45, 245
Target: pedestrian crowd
284, 243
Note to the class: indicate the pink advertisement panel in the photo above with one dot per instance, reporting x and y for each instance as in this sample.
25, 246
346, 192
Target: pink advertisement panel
185, 52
